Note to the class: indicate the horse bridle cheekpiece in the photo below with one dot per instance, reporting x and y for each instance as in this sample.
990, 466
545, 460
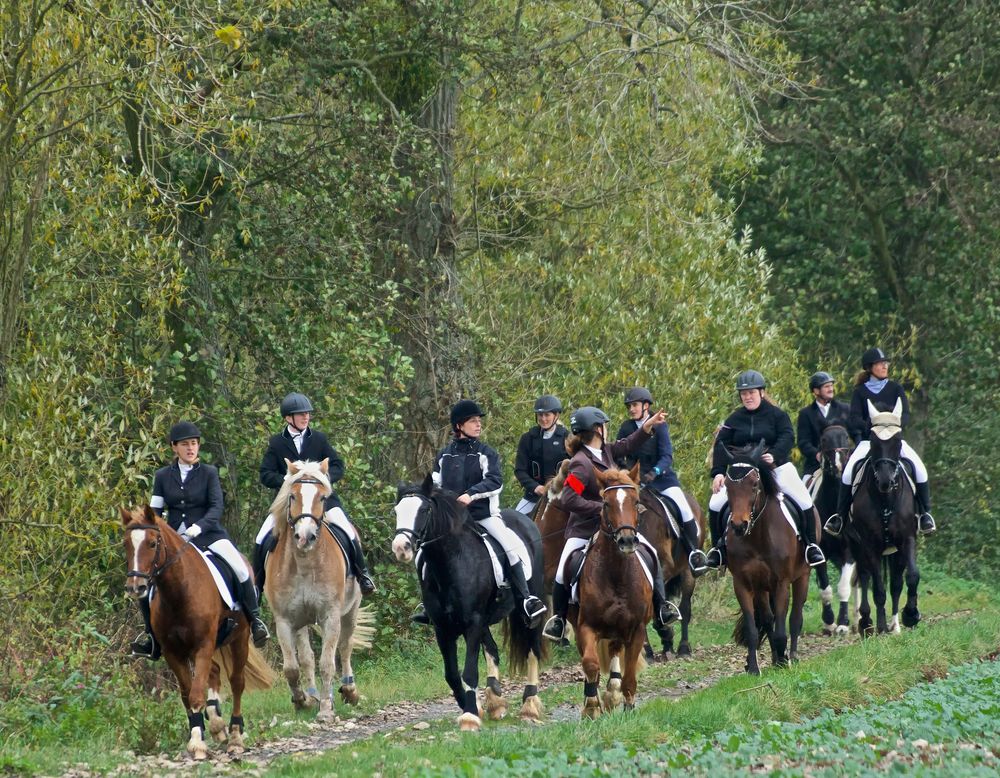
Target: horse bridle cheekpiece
606, 528
292, 520
418, 539
154, 570
756, 490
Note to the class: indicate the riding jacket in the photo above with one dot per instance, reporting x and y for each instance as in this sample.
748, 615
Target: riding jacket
469, 466
658, 451
195, 500
581, 496
747, 428
315, 448
858, 422
538, 458
810, 426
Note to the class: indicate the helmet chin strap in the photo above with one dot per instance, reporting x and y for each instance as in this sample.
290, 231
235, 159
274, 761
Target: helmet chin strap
294, 426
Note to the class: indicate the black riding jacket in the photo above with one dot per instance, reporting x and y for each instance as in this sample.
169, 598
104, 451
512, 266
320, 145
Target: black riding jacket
658, 451
810, 427
196, 500
748, 428
315, 448
469, 466
859, 424
538, 458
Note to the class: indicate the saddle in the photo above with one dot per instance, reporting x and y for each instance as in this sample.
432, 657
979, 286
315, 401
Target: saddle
670, 510
574, 566
228, 585
498, 557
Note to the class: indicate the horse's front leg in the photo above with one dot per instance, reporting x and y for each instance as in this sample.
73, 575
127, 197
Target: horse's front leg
844, 588
470, 720
779, 632
448, 646
240, 651
289, 660
800, 593
213, 706
826, 596
897, 564
687, 590
630, 680
202, 661
750, 634
612, 696
531, 703
880, 595
911, 613
586, 643
328, 664
493, 701
865, 626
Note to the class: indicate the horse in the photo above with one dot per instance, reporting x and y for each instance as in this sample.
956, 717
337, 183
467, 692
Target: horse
551, 520
615, 600
462, 599
307, 584
673, 556
765, 560
835, 449
883, 527
189, 617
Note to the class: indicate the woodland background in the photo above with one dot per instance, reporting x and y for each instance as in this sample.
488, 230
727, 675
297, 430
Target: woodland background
391, 204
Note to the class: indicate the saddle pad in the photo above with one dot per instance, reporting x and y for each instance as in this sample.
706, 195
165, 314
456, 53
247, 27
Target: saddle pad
220, 584
491, 546
814, 484
788, 515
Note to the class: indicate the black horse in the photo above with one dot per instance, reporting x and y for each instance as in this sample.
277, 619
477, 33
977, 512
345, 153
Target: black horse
835, 449
462, 598
883, 529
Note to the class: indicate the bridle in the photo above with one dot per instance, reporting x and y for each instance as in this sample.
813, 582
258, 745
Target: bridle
418, 538
293, 520
155, 570
754, 516
614, 532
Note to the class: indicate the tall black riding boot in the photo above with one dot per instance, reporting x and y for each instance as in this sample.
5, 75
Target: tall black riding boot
533, 607
926, 521
814, 554
260, 551
717, 554
145, 644
248, 600
360, 568
835, 524
555, 627
664, 611
696, 557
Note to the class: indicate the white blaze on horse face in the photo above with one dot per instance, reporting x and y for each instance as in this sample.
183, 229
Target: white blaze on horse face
309, 494
406, 517
621, 500
137, 536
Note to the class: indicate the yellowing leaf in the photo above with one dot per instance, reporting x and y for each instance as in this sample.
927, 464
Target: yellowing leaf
230, 35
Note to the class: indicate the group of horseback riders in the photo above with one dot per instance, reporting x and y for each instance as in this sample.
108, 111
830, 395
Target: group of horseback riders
190, 493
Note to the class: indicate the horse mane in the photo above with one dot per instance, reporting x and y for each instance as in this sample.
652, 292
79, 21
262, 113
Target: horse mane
446, 514
558, 480
308, 469
745, 459
614, 477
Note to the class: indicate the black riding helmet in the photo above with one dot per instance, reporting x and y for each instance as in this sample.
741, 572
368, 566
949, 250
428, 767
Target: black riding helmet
586, 418
548, 403
750, 379
638, 394
184, 430
873, 355
463, 410
295, 403
816, 380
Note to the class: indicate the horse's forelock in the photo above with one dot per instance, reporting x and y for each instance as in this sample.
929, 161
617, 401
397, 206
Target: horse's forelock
305, 469
743, 464
614, 477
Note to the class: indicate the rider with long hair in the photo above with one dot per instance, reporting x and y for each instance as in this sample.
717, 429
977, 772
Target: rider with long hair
874, 385
471, 469
758, 419
191, 495
581, 497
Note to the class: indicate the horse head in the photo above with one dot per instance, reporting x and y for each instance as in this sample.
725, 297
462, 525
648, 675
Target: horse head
301, 502
750, 483
411, 503
620, 514
886, 439
835, 449
146, 554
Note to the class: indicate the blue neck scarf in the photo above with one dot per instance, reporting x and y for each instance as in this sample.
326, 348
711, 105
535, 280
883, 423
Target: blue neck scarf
875, 385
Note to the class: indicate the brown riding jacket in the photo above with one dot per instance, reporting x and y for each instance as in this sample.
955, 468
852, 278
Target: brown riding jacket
581, 495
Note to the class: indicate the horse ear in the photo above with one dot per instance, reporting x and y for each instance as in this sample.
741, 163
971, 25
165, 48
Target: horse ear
324, 466
149, 514
290, 467
758, 449
640, 508
872, 410
634, 473
428, 485
126, 516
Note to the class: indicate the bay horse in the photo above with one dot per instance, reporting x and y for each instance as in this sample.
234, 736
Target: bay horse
765, 560
186, 613
883, 518
615, 598
462, 598
307, 584
673, 556
551, 520
835, 449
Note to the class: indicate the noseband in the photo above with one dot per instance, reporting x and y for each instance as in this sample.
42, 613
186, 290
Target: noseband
154, 570
756, 495
418, 539
293, 520
614, 532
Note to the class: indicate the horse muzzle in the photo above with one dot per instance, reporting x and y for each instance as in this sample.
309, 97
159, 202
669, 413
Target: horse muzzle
627, 541
402, 548
740, 528
136, 587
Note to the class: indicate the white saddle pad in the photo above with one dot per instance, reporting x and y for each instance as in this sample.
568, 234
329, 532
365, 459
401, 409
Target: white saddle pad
788, 515
219, 583
498, 568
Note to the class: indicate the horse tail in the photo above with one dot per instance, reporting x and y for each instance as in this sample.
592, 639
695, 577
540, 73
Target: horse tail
257, 673
763, 619
364, 628
520, 641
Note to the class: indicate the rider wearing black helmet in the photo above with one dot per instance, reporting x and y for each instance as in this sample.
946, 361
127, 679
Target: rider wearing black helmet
874, 385
191, 495
581, 497
471, 469
656, 460
758, 419
539, 452
823, 412
300, 442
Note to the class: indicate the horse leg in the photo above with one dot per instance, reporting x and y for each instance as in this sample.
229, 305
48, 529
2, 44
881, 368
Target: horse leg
750, 635
911, 614
290, 663
826, 595
348, 690
182, 671
612, 697
202, 661
896, 565
865, 626
879, 595
494, 703
239, 651
214, 706
800, 593
778, 636
586, 642
470, 720
307, 666
531, 703
687, 590
630, 678
447, 645
844, 595
328, 664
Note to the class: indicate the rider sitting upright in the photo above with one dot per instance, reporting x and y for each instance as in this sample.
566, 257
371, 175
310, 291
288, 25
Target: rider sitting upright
873, 385
656, 465
823, 412
539, 452
581, 496
471, 469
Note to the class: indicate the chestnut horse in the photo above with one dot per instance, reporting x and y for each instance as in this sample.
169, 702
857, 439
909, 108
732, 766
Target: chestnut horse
186, 613
307, 584
551, 520
765, 559
615, 598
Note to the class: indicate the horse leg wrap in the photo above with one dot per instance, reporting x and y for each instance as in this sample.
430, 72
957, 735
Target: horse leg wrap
347, 680
590, 689
529, 691
197, 720
217, 705
236, 721
471, 702
615, 674
494, 686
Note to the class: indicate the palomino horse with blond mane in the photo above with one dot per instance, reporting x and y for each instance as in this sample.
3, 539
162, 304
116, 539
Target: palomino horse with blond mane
197, 631
307, 584
615, 597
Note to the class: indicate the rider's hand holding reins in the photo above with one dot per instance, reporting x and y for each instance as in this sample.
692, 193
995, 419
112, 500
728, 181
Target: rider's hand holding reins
658, 418
717, 483
463, 499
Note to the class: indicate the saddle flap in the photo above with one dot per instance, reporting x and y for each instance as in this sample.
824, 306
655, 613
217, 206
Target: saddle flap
672, 513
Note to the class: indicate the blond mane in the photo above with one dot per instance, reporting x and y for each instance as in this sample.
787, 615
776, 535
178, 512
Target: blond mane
306, 469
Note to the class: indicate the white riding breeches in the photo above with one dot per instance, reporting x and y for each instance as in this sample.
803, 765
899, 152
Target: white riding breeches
503, 534
572, 544
526, 506
676, 494
265, 528
225, 549
906, 452
788, 482
335, 516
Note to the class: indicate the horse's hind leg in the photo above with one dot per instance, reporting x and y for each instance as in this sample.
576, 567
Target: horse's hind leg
844, 595
328, 664
687, 590
613, 697
911, 613
470, 720
879, 595
531, 703
778, 636
348, 690
800, 593
896, 565
826, 596
213, 707
865, 626
493, 700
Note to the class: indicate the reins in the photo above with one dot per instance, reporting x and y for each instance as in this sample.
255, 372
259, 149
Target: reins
154, 571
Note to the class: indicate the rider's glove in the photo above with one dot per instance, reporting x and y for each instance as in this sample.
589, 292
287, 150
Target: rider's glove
191, 532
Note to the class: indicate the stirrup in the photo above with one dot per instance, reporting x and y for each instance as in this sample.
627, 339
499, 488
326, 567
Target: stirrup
668, 614
714, 560
555, 628
144, 646
834, 526
534, 609
366, 583
817, 549
259, 632
926, 524
698, 562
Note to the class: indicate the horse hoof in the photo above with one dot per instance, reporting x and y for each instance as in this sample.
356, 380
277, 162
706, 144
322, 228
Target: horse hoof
496, 706
349, 694
198, 751
911, 618
469, 722
591, 708
628, 707
325, 716
612, 698
532, 709
842, 629
684, 650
